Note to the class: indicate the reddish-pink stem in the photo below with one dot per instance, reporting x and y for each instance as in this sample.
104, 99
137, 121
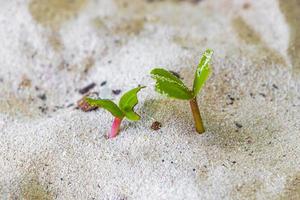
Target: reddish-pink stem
115, 128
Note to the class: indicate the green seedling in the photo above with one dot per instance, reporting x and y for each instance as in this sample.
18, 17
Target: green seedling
125, 109
171, 86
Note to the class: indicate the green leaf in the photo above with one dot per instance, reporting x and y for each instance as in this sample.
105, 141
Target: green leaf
108, 105
133, 116
203, 71
127, 103
169, 85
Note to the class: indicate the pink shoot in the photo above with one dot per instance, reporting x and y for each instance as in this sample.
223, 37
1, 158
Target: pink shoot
115, 127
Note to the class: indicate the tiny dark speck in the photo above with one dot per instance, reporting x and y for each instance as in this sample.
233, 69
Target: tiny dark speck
70, 105
103, 83
238, 125
162, 160
232, 99
262, 94
194, 169
275, 86
172, 162
87, 88
116, 92
43, 109
175, 74
233, 162
42, 97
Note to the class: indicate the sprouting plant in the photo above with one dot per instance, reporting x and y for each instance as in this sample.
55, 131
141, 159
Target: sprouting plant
171, 86
125, 109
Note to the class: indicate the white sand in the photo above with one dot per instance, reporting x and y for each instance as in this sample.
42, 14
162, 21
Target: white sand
62, 153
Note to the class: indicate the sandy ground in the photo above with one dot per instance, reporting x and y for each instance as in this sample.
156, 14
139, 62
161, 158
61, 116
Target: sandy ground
250, 105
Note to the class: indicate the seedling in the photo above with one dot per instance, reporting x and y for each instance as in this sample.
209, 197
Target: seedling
171, 86
125, 109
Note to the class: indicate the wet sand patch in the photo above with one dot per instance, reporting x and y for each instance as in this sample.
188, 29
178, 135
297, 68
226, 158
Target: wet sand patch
34, 190
291, 11
53, 13
292, 190
15, 106
248, 35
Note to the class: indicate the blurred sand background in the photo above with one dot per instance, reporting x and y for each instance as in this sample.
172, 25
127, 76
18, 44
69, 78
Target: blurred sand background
50, 49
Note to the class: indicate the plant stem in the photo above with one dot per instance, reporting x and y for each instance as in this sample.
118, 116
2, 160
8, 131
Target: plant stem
115, 127
197, 115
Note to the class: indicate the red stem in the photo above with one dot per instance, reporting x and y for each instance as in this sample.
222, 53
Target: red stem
115, 128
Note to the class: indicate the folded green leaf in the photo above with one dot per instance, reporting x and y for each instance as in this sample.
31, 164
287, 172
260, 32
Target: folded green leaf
133, 116
203, 71
108, 105
127, 103
169, 85
129, 99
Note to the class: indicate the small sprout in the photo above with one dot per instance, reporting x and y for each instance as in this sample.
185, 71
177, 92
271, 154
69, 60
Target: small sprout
125, 109
171, 86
